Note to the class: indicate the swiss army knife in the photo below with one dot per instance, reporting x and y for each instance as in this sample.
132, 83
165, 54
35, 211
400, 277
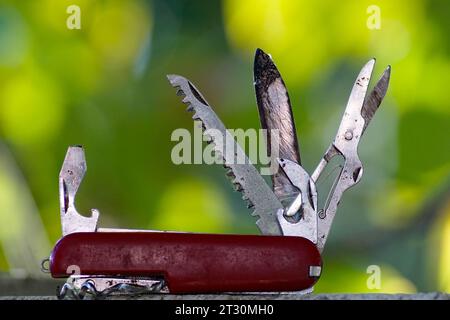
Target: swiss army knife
287, 256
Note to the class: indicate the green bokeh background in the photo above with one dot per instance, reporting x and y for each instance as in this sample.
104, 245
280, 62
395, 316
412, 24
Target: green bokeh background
104, 87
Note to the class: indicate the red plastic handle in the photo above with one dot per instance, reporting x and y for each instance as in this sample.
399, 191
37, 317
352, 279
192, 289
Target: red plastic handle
192, 262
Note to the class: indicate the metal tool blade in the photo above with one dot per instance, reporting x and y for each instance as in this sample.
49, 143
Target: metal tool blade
70, 177
275, 112
373, 100
352, 122
346, 144
306, 227
245, 176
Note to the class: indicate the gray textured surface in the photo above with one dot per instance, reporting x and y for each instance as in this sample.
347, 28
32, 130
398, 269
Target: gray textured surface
28, 289
418, 296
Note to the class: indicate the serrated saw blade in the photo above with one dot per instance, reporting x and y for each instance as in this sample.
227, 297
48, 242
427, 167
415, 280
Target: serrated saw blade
245, 176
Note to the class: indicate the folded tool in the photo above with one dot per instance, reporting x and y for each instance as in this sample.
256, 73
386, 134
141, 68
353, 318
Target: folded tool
287, 257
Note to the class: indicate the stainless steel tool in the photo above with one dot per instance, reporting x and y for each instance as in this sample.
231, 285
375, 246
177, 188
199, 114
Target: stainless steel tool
102, 261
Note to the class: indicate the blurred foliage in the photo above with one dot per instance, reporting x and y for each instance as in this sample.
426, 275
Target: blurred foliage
104, 87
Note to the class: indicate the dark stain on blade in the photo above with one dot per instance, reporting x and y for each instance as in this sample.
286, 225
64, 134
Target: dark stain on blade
373, 100
275, 113
197, 94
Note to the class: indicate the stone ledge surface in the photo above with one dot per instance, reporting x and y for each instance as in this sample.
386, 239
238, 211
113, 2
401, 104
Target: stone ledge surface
292, 296
45, 289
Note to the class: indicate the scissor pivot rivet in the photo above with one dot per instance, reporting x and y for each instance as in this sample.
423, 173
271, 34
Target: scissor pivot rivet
348, 135
322, 214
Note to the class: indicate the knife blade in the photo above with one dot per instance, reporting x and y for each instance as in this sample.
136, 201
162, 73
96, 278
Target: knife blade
275, 113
